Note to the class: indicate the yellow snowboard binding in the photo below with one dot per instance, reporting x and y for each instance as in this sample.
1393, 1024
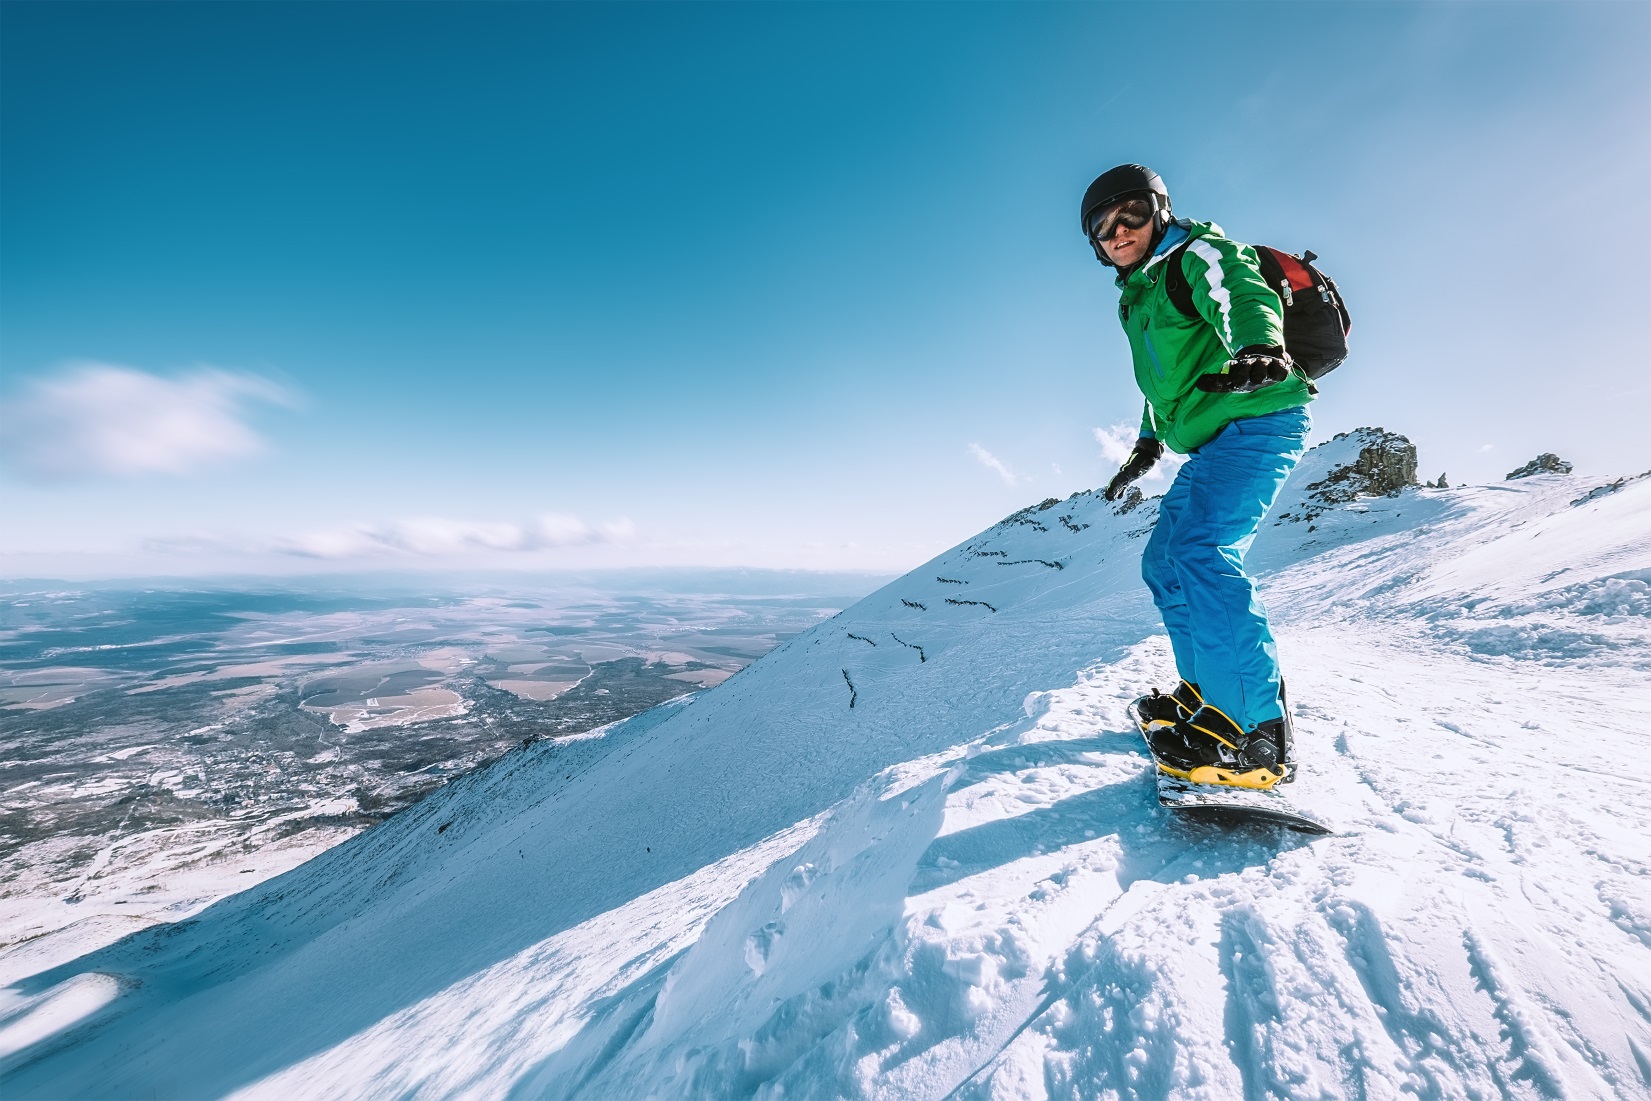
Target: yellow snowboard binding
1256, 779
1209, 748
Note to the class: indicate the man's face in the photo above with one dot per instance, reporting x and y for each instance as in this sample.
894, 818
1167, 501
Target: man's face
1128, 247
1124, 230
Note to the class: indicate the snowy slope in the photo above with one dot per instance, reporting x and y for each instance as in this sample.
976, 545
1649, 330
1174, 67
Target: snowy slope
915, 853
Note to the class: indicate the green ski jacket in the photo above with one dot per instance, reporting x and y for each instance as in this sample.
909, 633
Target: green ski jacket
1170, 350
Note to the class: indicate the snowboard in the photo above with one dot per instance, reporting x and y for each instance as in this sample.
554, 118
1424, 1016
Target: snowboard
1226, 804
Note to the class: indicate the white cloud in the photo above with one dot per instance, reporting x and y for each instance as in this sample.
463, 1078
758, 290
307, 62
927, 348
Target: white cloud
1118, 441
103, 420
993, 463
426, 537
435, 537
1486, 447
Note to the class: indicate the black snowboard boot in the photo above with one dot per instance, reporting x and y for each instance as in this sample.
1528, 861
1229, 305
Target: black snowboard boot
1284, 733
1178, 705
1209, 748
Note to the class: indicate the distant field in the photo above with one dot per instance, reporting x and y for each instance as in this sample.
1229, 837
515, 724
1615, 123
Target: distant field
162, 747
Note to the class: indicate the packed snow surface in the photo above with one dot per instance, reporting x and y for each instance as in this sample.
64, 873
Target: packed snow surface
915, 852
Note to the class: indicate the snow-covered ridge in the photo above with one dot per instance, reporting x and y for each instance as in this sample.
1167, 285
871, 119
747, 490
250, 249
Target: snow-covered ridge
914, 853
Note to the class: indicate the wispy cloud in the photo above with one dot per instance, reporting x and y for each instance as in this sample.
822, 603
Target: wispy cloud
428, 537
1118, 442
96, 420
993, 463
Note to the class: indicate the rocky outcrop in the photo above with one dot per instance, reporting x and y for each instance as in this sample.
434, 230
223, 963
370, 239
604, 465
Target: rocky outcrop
1367, 462
1385, 464
1610, 487
1545, 463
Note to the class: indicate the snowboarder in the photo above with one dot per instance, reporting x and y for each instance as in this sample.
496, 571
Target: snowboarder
1221, 389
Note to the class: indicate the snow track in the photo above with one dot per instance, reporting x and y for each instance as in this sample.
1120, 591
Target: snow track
962, 885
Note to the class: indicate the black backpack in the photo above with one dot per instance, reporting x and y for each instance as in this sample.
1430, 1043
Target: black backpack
1316, 322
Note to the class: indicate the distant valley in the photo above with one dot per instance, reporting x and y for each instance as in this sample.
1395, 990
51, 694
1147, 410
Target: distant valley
164, 746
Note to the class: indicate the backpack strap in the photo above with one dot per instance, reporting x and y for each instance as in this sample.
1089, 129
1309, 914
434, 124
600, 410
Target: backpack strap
1175, 281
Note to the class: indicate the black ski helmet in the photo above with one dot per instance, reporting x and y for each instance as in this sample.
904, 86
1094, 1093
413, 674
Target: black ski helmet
1115, 183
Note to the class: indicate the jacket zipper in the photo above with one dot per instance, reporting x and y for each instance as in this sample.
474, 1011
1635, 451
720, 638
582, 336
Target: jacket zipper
1157, 367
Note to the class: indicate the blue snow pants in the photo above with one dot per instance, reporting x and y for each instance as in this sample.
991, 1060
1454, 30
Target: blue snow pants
1194, 562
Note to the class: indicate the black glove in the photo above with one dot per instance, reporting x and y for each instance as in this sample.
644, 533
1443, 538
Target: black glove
1250, 368
1140, 461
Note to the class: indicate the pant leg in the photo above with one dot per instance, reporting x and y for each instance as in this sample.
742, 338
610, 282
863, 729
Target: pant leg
1158, 571
1236, 479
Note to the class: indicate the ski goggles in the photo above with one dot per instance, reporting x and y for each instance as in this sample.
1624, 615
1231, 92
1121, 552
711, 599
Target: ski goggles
1126, 214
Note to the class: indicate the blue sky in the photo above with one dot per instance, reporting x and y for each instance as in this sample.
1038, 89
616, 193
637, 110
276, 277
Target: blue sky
755, 284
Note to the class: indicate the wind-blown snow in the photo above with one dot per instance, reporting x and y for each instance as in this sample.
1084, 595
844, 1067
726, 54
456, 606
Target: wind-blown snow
915, 853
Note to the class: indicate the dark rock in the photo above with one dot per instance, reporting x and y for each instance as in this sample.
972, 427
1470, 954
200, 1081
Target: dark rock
1385, 464
1609, 488
1367, 462
1545, 463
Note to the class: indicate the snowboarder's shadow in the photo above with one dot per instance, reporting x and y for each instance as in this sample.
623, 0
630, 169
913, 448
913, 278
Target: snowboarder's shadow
1152, 843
